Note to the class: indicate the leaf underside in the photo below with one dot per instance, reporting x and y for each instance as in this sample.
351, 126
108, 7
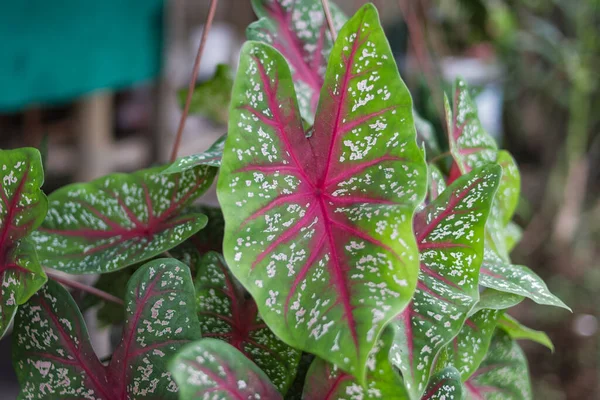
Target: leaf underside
120, 219
53, 356
211, 157
227, 313
450, 237
22, 209
318, 226
213, 369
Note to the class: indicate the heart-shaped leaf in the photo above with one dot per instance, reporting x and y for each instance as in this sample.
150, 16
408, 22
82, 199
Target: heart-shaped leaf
517, 279
467, 349
226, 312
120, 219
327, 382
503, 374
445, 385
298, 29
516, 330
211, 157
53, 356
318, 225
450, 236
22, 209
213, 369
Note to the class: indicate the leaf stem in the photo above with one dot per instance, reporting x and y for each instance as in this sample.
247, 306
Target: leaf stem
186, 109
327, 12
83, 287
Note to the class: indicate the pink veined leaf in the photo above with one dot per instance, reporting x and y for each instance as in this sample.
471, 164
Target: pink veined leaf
444, 385
298, 30
503, 374
318, 227
213, 369
53, 356
120, 219
22, 209
226, 312
325, 381
450, 236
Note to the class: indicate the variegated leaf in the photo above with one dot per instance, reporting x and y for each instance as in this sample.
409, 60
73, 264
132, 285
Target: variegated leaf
120, 219
53, 356
22, 209
516, 279
211, 157
318, 224
467, 349
450, 236
503, 374
437, 182
226, 312
445, 385
327, 382
212, 369
516, 330
298, 29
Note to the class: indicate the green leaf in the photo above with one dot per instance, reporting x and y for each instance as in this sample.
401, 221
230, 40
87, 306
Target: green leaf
211, 98
318, 227
437, 182
325, 381
517, 279
450, 236
496, 300
445, 385
513, 234
226, 312
518, 331
23, 206
298, 30
53, 356
213, 369
211, 157
467, 350
120, 219
503, 374
426, 136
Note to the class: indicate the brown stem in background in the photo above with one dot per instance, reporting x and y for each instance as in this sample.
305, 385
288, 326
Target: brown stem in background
327, 12
207, 25
85, 288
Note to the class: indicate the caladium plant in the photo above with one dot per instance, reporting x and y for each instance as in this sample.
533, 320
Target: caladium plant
340, 264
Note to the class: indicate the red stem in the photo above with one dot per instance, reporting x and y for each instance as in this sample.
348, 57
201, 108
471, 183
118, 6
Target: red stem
80, 286
329, 19
207, 25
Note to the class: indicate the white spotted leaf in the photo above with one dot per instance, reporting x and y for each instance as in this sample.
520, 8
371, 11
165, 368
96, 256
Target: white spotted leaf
503, 374
22, 209
325, 381
226, 312
318, 223
213, 369
450, 236
445, 385
53, 356
211, 157
299, 31
120, 219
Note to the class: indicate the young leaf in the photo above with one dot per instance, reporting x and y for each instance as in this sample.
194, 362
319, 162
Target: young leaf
450, 236
120, 219
445, 385
467, 349
318, 227
211, 157
53, 356
213, 369
227, 313
211, 98
327, 382
22, 209
503, 374
518, 331
517, 279
426, 135
298, 29
437, 182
